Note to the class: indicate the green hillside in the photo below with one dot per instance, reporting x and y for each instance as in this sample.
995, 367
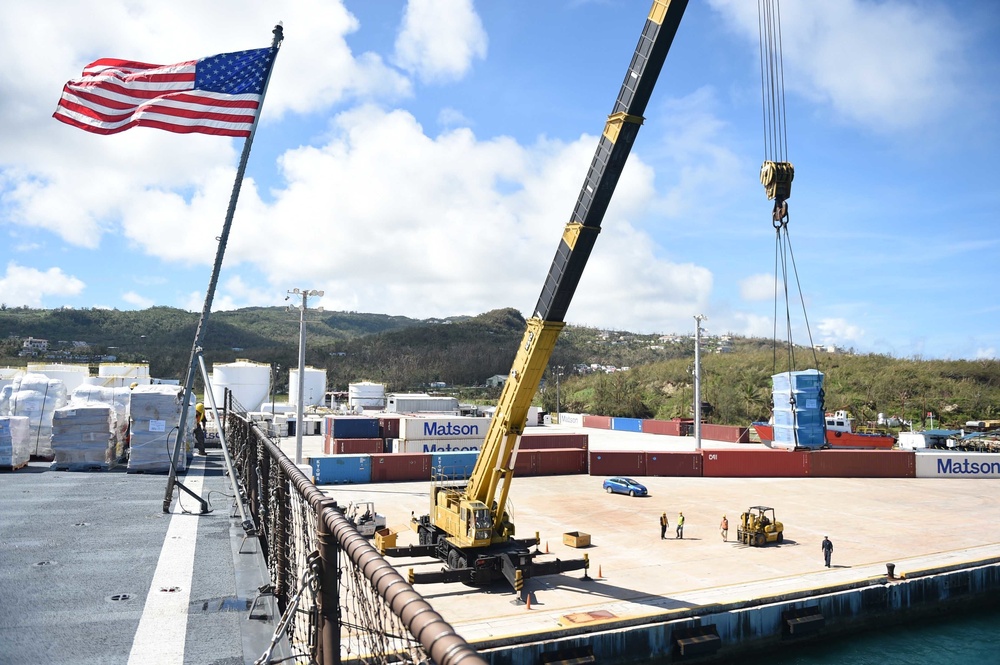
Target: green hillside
462, 352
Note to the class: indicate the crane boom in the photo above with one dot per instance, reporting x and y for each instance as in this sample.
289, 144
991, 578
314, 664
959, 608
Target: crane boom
493, 470
468, 527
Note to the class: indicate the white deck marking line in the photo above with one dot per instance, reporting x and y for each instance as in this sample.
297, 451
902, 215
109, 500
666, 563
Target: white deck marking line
160, 637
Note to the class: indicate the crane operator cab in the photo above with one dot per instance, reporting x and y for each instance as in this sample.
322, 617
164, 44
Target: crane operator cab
478, 524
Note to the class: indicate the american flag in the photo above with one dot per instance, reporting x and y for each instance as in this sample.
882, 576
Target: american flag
219, 95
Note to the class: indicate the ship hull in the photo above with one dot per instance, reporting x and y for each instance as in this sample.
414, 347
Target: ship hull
836, 439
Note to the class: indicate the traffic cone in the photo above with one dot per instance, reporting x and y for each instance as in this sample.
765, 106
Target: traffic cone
529, 601
599, 575
546, 547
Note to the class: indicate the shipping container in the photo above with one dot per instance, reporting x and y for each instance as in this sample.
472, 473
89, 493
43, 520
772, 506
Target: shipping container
946, 464
456, 464
358, 446
341, 469
617, 463
435, 445
729, 433
450, 427
388, 427
526, 463
734, 463
862, 464
547, 440
671, 427
571, 419
626, 424
399, 467
562, 461
550, 462
687, 464
352, 427
597, 422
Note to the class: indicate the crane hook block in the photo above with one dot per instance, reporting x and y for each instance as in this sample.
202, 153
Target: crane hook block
777, 179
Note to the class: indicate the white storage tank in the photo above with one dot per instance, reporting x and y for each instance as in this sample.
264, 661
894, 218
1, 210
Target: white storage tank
249, 382
366, 394
314, 386
72, 375
138, 372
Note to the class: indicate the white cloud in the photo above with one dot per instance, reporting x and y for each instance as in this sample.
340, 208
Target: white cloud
757, 288
28, 286
439, 39
888, 65
839, 331
140, 302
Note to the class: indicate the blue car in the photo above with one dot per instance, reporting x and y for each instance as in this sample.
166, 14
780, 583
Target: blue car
624, 486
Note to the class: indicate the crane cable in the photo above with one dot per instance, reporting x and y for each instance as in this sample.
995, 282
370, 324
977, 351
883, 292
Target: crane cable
777, 173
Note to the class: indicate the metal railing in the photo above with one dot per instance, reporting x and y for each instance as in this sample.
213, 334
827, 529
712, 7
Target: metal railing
341, 601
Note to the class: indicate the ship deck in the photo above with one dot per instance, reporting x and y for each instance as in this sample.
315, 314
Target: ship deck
95, 572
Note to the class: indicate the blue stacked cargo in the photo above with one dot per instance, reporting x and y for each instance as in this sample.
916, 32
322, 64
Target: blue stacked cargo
341, 469
453, 464
799, 414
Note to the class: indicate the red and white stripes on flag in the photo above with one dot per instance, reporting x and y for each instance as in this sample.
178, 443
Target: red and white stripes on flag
214, 95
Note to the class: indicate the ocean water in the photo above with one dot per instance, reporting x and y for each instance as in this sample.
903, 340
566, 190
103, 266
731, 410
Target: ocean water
971, 638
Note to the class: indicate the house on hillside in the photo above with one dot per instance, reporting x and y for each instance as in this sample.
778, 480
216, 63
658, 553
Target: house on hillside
496, 381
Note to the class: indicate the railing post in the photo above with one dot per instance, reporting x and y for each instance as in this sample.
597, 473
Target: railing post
329, 588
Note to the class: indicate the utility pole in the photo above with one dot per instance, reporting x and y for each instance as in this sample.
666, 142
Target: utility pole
559, 370
299, 402
697, 379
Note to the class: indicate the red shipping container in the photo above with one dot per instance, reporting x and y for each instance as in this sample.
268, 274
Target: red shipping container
728, 433
549, 440
388, 427
672, 427
863, 464
358, 446
562, 461
617, 463
396, 467
526, 463
733, 463
597, 422
674, 464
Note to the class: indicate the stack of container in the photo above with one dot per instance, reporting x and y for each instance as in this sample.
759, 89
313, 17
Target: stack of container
352, 435
155, 412
799, 415
15, 451
82, 438
36, 397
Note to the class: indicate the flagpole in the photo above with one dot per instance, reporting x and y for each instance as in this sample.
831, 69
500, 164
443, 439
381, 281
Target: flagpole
210, 293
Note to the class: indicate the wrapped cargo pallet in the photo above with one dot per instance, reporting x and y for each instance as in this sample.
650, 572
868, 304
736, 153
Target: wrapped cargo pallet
117, 398
15, 451
36, 397
82, 438
155, 414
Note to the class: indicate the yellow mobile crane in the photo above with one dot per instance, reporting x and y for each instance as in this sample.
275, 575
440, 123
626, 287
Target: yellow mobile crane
468, 527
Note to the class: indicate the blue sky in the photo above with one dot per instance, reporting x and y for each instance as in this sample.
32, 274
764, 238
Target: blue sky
421, 158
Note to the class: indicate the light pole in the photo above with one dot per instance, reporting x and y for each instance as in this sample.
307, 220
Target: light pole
697, 379
559, 370
305, 293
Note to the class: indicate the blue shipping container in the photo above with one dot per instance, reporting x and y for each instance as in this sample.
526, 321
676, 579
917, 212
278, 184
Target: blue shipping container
353, 427
807, 418
807, 437
804, 399
453, 464
627, 424
341, 469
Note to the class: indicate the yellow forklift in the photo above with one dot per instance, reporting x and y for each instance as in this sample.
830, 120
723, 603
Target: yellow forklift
758, 527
